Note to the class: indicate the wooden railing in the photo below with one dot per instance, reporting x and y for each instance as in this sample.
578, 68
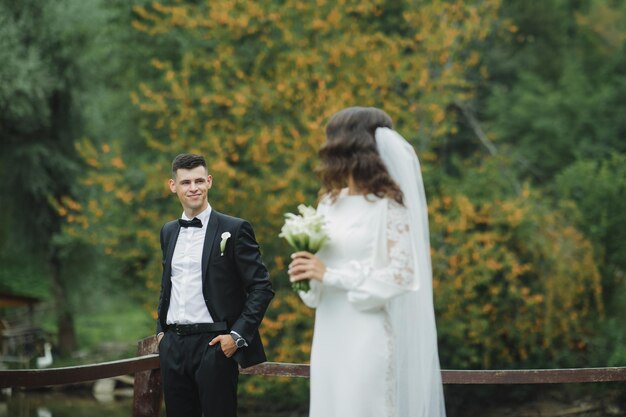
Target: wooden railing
147, 386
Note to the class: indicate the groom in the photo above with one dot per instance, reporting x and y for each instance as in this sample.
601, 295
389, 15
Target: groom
214, 292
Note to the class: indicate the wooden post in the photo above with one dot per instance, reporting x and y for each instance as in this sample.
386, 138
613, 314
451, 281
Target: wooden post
147, 393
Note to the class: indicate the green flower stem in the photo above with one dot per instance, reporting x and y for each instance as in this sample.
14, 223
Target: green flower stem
301, 286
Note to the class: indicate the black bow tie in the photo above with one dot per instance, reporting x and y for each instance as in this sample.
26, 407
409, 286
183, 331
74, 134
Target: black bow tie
195, 222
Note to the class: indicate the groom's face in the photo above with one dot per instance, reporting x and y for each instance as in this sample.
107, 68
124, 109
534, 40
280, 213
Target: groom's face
192, 187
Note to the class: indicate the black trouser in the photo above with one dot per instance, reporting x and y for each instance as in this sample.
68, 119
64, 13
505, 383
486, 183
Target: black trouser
198, 380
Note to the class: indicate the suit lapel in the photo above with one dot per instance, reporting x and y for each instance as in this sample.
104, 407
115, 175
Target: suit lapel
209, 240
171, 245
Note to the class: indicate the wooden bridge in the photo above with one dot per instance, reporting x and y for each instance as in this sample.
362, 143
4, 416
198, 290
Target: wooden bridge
147, 386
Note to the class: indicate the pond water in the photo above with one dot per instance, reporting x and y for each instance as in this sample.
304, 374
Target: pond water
83, 404
56, 404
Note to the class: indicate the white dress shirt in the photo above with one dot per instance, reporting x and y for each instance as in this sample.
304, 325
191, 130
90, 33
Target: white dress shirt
187, 304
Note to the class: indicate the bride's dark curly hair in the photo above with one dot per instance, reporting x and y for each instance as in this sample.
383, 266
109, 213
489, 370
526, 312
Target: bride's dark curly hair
350, 151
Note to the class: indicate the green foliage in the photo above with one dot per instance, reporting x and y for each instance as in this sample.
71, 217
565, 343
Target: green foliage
115, 321
550, 125
520, 233
557, 83
20, 276
251, 89
37, 128
255, 102
598, 186
515, 282
35, 125
52, 91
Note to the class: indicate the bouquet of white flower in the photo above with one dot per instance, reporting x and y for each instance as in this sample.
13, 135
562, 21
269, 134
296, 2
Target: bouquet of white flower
304, 232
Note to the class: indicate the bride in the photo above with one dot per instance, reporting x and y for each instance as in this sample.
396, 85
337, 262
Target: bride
374, 347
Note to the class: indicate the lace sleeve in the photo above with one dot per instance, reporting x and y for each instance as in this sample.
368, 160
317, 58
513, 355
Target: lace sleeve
370, 287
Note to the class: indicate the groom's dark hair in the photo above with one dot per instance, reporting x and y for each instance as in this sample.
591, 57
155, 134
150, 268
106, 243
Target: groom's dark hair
187, 161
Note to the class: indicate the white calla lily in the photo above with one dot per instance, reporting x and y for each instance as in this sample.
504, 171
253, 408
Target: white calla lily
225, 237
304, 232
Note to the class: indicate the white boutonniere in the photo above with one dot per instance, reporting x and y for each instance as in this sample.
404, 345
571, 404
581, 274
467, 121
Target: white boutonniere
225, 237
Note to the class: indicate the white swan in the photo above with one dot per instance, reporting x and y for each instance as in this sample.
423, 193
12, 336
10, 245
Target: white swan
45, 360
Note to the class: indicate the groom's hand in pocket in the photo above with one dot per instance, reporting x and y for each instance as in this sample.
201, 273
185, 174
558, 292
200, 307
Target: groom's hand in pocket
227, 344
305, 265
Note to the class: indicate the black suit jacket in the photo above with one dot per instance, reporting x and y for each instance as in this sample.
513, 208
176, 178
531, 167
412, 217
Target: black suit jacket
236, 285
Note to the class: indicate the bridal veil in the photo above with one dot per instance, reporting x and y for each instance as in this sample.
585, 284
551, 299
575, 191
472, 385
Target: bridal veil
419, 391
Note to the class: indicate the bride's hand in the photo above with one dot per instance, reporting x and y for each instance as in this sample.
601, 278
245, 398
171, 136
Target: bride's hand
305, 265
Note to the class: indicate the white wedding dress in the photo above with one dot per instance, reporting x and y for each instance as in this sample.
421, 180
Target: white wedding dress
369, 261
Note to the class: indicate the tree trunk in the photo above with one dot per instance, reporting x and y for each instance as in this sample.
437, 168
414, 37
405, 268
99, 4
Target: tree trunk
65, 321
